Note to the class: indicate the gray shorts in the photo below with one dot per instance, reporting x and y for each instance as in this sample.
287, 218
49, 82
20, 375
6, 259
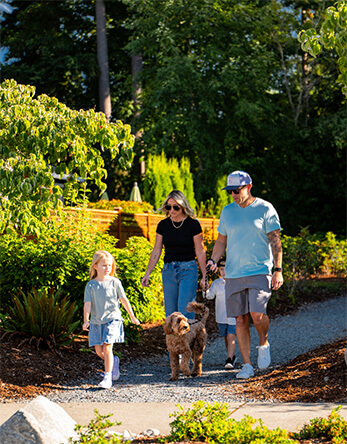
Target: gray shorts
109, 333
247, 294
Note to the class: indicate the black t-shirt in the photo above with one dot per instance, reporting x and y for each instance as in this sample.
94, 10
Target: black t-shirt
179, 242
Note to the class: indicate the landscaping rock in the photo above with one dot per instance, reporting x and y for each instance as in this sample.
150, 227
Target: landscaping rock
40, 422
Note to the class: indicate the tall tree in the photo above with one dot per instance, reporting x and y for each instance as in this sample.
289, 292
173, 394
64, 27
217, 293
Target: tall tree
104, 77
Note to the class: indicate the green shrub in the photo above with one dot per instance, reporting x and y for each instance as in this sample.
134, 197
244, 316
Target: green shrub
127, 206
334, 255
132, 261
95, 432
211, 423
61, 260
43, 316
333, 428
306, 255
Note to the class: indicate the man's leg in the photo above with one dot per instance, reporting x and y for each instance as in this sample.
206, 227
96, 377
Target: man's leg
244, 337
261, 323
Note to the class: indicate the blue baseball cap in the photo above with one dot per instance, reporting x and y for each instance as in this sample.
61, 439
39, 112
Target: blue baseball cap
236, 179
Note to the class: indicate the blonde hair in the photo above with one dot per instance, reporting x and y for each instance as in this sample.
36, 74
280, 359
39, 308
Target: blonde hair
180, 198
101, 254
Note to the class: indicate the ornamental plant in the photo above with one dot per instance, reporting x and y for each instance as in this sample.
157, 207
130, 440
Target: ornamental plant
95, 432
333, 428
43, 316
211, 423
41, 136
127, 206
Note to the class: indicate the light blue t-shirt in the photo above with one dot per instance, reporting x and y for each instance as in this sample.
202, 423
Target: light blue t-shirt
105, 297
248, 248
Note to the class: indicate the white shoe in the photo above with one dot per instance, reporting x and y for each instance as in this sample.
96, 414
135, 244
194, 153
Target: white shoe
115, 369
106, 383
246, 372
264, 357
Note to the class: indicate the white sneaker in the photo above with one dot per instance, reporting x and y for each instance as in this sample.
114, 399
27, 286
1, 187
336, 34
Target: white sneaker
106, 383
115, 369
264, 357
246, 372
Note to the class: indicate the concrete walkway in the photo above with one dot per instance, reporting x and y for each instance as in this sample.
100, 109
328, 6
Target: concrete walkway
138, 417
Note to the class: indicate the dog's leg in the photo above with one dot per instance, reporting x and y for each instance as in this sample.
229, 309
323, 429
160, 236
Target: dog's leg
198, 351
175, 366
185, 361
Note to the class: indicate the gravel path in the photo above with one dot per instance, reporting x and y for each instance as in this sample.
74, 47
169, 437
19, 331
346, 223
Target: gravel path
147, 380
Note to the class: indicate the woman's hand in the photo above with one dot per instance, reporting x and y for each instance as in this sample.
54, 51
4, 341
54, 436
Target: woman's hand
145, 281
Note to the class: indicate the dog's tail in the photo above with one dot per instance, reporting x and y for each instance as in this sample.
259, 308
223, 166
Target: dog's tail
199, 309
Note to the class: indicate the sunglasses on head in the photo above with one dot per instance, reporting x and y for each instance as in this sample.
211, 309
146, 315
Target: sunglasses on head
237, 191
175, 207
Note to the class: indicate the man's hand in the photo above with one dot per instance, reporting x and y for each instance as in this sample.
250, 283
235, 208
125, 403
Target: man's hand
277, 280
211, 266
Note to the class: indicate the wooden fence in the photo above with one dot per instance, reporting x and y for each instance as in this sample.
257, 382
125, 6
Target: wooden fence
124, 225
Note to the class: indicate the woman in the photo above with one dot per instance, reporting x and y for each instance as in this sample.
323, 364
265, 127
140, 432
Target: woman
181, 235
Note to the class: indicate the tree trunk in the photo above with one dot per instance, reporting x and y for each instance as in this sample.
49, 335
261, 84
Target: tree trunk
101, 41
136, 68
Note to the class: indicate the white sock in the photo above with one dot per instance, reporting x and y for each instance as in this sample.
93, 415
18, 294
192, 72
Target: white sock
107, 375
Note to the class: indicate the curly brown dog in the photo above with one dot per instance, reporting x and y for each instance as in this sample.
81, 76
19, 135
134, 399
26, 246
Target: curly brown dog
186, 338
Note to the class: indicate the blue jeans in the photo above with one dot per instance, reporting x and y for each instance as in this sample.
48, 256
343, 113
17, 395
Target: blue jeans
180, 283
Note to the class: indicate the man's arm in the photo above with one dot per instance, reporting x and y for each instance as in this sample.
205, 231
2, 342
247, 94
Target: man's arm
276, 248
218, 251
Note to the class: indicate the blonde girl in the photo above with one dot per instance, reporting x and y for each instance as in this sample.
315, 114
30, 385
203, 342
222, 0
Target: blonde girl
102, 316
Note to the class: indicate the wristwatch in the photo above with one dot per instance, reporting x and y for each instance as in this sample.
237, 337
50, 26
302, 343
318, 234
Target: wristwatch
278, 269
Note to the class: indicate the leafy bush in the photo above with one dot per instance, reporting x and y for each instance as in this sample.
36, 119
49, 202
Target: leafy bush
334, 255
127, 206
333, 428
132, 263
43, 316
95, 432
211, 423
61, 260
306, 255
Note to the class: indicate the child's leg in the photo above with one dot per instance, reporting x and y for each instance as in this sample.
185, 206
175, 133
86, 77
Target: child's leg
105, 352
108, 357
230, 343
99, 350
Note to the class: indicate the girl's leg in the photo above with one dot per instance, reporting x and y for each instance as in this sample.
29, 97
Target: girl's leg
105, 352
108, 357
170, 288
99, 350
188, 284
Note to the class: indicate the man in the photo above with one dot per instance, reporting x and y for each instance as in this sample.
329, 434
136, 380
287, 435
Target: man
249, 230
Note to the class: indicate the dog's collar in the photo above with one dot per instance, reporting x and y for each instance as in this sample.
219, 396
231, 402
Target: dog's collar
171, 334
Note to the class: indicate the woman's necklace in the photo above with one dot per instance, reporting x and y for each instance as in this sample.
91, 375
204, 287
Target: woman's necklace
180, 224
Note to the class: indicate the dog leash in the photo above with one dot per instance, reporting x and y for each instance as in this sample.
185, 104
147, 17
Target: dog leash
209, 272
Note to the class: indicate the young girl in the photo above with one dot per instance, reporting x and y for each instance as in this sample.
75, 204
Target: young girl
101, 303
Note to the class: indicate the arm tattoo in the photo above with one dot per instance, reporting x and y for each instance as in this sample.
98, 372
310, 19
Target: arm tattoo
275, 244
